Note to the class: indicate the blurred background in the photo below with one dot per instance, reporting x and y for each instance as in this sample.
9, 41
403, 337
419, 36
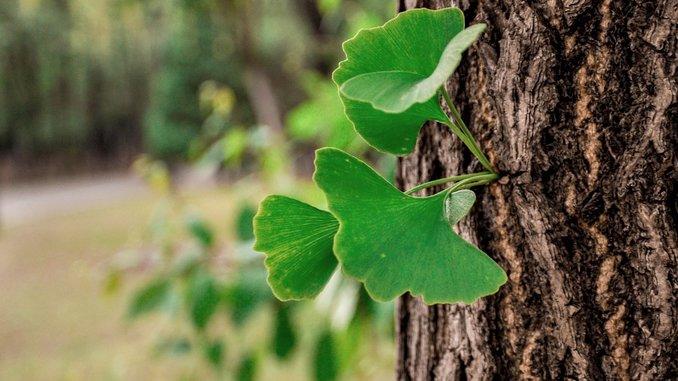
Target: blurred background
136, 139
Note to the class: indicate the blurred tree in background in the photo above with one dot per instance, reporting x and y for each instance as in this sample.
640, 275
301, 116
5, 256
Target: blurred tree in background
74, 81
90, 84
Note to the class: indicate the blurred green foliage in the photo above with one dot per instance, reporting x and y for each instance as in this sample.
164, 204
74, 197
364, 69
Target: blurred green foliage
326, 367
206, 285
190, 58
240, 86
150, 297
320, 119
108, 78
243, 225
74, 77
247, 369
284, 337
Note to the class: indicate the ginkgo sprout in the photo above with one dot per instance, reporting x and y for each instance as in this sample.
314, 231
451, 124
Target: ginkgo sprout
391, 83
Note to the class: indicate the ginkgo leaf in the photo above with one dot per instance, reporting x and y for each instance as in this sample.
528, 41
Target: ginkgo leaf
389, 91
413, 42
297, 240
396, 91
458, 204
396, 243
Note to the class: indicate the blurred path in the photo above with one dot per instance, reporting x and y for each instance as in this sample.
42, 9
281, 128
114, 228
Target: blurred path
25, 203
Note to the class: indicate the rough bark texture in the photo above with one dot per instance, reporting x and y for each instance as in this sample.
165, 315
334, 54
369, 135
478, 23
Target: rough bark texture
575, 103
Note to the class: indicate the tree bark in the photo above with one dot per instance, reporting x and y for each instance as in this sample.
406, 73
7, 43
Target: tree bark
575, 104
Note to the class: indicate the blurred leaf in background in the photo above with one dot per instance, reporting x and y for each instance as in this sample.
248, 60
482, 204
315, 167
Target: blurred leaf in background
284, 337
325, 358
248, 293
321, 119
214, 352
200, 231
203, 298
151, 297
247, 368
244, 221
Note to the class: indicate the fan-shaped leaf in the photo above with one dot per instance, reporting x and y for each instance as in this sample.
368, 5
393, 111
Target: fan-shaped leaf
413, 42
396, 91
396, 243
458, 204
297, 240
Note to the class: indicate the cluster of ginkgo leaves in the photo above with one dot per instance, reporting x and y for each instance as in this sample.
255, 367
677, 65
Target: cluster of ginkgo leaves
390, 83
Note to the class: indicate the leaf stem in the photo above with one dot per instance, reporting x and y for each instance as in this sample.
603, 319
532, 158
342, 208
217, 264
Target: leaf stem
470, 182
459, 128
456, 115
459, 180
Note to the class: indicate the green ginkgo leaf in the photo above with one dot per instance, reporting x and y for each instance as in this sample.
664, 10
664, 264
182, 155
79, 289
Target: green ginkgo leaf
458, 204
396, 91
297, 240
395, 243
416, 43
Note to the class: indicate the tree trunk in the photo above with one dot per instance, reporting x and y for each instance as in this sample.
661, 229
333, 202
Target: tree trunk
574, 102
